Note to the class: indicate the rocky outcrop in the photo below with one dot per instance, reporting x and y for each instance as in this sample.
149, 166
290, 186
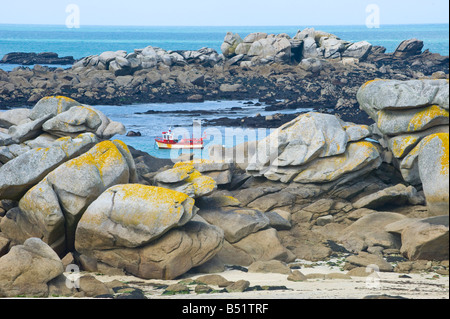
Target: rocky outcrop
311, 69
314, 148
25, 58
315, 187
79, 195
412, 122
409, 48
51, 209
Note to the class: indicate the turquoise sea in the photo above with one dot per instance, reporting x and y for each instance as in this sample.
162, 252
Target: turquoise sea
89, 40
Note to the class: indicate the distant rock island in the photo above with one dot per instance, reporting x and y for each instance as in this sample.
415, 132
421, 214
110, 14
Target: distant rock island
313, 69
24, 58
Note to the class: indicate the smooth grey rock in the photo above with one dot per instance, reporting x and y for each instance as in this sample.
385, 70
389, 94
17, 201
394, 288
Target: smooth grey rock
378, 95
359, 50
52, 105
27, 131
236, 223
27, 269
23, 172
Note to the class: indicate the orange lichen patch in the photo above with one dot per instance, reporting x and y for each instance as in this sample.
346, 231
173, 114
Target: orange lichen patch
103, 155
203, 185
444, 137
371, 81
400, 145
124, 146
154, 206
196, 161
425, 116
193, 176
184, 171
151, 193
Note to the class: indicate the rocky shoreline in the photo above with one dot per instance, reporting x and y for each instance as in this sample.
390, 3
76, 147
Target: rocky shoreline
316, 189
360, 184
313, 69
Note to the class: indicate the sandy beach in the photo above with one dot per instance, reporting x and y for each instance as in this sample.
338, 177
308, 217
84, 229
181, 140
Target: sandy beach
411, 286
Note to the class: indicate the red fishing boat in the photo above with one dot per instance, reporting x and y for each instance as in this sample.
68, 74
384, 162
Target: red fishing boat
167, 141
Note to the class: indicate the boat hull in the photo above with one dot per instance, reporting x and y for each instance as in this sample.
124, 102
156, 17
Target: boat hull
178, 146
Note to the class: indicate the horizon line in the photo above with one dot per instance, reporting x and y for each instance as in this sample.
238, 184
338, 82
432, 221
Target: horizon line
218, 26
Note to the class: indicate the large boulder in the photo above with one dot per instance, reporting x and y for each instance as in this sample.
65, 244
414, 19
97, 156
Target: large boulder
408, 48
219, 171
263, 245
423, 239
401, 145
396, 195
236, 223
23, 172
75, 120
27, 269
360, 158
28, 130
369, 231
428, 164
278, 48
378, 95
285, 153
333, 47
359, 50
52, 208
131, 215
394, 122
230, 44
62, 116
433, 164
169, 256
14, 117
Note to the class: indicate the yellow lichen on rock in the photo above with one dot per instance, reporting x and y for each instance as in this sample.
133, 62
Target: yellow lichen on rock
369, 82
400, 145
104, 154
357, 156
425, 116
152, 193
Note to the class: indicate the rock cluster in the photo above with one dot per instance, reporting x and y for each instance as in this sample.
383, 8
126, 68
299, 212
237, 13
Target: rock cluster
315, 148
312, 69
307, 44
122, 63
316, 187
412, 122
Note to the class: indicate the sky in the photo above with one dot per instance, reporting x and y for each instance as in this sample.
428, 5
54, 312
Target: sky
223, 13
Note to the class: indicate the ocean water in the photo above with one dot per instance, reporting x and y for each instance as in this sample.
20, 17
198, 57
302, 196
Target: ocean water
89, 40
152, 125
